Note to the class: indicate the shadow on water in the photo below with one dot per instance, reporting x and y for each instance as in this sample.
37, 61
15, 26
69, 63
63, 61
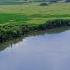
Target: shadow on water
58, 30
9, 43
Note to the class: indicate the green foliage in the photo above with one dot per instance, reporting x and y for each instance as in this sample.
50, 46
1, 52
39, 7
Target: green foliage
43, 4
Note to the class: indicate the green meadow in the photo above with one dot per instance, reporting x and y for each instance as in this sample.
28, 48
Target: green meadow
16, 20
33, 13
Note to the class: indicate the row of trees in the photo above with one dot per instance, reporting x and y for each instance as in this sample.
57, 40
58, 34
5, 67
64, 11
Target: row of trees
32, 0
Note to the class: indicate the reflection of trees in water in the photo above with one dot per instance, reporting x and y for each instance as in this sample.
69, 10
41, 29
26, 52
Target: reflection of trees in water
58, 30
9, 43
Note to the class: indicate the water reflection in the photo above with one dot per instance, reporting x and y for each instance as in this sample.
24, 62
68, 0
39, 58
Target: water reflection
16, 40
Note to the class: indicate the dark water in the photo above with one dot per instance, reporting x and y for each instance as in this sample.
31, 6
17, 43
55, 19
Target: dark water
48, 51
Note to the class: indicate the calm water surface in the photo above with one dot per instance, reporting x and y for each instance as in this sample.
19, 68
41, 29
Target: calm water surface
40, 52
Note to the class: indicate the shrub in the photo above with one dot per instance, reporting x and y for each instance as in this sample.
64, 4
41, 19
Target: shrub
43, 4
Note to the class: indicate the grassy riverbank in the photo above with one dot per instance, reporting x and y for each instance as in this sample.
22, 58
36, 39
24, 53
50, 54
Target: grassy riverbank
16, 20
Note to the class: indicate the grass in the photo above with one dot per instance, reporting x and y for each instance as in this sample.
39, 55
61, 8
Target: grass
16, 20
7, 18
34, 12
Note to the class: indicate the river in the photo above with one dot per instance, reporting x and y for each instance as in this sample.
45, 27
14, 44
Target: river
48, 51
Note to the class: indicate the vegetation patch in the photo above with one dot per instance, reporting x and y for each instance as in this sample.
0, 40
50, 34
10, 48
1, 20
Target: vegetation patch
18, 20
43, 4
6, 18
13, 30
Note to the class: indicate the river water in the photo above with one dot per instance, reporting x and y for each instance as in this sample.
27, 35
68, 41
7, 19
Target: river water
48, 51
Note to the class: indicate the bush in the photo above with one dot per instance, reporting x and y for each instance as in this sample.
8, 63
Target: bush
43, 4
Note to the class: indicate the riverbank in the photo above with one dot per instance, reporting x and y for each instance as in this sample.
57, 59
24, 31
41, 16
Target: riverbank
18, 20
13, 30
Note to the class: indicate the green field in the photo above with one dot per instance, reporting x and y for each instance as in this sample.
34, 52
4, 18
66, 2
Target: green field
35, 12
17, 19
